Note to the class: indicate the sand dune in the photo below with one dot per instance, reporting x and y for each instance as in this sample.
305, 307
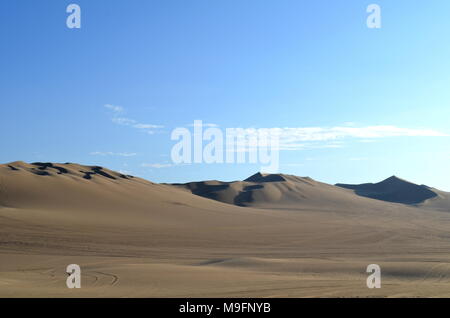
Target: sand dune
440, 202
271, 190
279, 190
394, 189
270, 235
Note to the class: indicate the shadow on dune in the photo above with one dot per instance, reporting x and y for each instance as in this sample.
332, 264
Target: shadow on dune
393, 190
45, 165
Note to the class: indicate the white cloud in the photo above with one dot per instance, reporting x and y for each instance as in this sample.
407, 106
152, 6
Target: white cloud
157, 165
133, 123
114, 108
314, 137
333, 133
109, 153
123, 121
149, 128
208, 125
292, 164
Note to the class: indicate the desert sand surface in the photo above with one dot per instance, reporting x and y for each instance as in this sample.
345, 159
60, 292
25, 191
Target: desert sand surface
267, 236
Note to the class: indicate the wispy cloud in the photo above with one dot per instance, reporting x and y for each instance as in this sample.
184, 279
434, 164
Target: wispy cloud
207, 125
157, 165
333, 137
125, 121
114, 108
133, 123
117, 154
333, 133
292, 164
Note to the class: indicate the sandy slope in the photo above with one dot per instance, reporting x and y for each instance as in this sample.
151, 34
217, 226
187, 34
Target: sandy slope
135, 238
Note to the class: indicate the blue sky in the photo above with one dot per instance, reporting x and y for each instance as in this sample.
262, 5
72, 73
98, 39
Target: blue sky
247, 63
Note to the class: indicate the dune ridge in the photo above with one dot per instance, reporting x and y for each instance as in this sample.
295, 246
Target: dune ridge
269, 190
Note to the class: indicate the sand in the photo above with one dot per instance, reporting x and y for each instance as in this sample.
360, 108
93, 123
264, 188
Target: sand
394, 189
291, 237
